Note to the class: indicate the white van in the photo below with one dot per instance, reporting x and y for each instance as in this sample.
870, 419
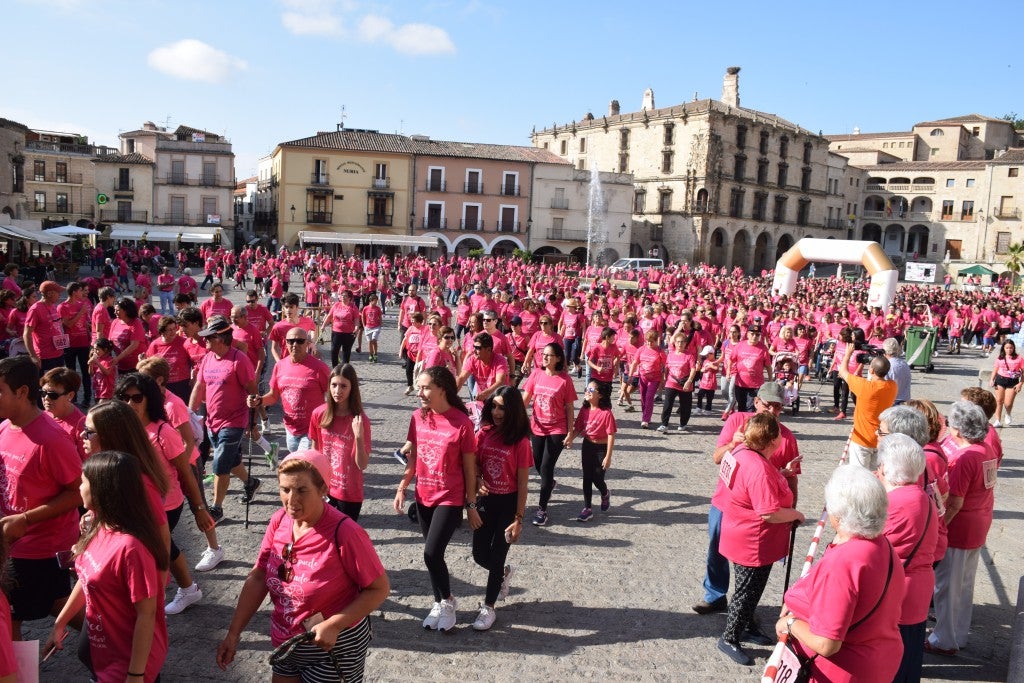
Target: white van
636, 264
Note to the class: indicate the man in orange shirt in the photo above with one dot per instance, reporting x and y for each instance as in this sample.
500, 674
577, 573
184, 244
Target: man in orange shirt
874, 395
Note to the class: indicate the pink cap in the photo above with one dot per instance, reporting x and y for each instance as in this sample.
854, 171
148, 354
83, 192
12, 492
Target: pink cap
316, 459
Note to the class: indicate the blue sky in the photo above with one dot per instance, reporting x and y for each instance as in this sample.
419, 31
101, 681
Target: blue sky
487, 71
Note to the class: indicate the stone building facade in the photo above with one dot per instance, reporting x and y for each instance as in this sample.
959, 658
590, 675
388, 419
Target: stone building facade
713, 181
12, 168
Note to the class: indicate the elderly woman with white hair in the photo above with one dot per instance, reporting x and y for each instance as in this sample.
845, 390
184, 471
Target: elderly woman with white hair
972, 481
912, 528
843, 615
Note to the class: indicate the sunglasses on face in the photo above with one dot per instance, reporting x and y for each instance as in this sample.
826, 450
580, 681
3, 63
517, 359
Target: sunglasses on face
131, 398
250, 301
449, 337
295, 341
88, 433
54, 395
285, 570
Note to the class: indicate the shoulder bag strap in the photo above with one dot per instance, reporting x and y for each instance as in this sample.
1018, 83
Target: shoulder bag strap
927, 522
885, 590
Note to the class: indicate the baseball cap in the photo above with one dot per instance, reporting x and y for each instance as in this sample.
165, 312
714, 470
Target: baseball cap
314, 458
707, 350
770, 392
516, 320
50, 286
216, 324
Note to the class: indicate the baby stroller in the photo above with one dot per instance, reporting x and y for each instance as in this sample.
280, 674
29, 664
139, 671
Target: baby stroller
784, 369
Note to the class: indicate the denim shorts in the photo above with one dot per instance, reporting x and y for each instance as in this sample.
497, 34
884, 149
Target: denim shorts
227, 451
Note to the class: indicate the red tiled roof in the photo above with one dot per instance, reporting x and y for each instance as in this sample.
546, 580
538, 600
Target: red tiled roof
958, 120
133, 158
355, 140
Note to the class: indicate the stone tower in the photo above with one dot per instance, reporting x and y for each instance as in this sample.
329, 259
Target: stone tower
731, 87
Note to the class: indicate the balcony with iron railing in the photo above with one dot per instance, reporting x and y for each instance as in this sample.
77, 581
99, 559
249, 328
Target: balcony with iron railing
435, 186
60, 178
191, 146
319, 178
562, 204
899, 216
1007, 213
323, 217
124, 185
379, 219
203, 180
381, 183
836, 223
466, 224
123, 216
509, 226
567, 234
190, 219
435, 223
53, 207
473, 188
60, 147
509, 190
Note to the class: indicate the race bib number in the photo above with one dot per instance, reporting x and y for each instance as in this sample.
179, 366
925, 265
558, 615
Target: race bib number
61, 341
727, 470
789, 667
989, 468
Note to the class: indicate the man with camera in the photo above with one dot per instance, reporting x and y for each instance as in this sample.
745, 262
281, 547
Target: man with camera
874, 394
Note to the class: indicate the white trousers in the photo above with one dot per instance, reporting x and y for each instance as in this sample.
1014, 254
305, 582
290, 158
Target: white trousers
954, 598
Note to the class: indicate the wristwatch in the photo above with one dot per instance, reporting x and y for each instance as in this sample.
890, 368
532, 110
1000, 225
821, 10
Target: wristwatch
472, 506
789, 625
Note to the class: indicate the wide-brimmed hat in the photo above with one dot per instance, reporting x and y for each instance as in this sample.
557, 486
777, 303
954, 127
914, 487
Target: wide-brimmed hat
217, 324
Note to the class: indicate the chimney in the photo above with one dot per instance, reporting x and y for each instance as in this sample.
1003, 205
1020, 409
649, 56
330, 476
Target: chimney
731, 87
648, 100
613, 108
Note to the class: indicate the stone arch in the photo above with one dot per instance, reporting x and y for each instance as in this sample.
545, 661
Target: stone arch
871, 232
762, 248
701, 205
874, 202
636, 251
741, 250
607, 256
894, 238
785, 244
917, 241
579, 254
442, 239
545, 251
717, 251
462, 245
505, 245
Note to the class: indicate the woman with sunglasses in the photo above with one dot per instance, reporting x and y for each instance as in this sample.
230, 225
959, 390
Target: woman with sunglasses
323, 577
121, 562
596, 424
142, 394
551, 393
340, 430
541, 338
59, 387
446, 353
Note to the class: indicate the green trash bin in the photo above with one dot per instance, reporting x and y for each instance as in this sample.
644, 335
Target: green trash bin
920, 346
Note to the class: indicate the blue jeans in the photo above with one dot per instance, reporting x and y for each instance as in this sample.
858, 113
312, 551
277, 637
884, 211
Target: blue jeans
227, 449
297, 442
716, 580
166, 302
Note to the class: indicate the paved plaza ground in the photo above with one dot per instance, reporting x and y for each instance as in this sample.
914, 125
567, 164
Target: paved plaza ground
606, 600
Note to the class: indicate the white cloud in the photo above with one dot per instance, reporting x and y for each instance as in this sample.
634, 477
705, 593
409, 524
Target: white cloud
328, 18
194, 60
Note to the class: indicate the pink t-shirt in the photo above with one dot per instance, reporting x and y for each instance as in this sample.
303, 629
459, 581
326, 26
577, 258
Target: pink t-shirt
175, 355
334, 561
344, 317
748, 363
538, 342
650, 362
115, 572
486, 374
338, 444
372, 317
178, 415
211, 307
786, 451
1004, 367
77, 329
680, 365
551, 394
39, 463
438, 357
842, 588
594, 423
260, 316
757, 488
605, 358
8, 664
499, 463
913, 518
972, 476
103, 377
122, 335
169, 445
73, 423
302, 387
226, 379
440, 441
46, 328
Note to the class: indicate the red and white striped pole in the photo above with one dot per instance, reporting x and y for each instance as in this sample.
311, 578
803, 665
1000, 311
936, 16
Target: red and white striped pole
771, 668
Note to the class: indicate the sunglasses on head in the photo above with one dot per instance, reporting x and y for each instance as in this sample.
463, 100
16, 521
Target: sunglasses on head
285, 570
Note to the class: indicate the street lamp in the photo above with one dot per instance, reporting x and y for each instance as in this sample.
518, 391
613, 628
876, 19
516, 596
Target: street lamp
293, 213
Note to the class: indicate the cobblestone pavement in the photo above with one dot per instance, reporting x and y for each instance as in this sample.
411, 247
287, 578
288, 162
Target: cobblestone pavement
609, 599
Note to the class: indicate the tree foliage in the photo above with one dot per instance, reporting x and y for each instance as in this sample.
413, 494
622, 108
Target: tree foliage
1017, 121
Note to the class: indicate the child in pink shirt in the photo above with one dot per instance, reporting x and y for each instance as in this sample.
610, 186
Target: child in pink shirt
101, 369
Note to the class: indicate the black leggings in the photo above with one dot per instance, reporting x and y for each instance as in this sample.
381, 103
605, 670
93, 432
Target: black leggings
841, 394
341, 341
80, 355
410, 365
438, 525
745, 398
349, 508
592, 455
546, 450
704, 397
489, 546
749, 586
685, 406
172, 521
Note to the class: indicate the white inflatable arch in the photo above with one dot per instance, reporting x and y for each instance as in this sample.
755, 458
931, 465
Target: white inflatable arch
884, 275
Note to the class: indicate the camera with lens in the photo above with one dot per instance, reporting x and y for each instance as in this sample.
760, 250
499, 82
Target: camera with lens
864, 352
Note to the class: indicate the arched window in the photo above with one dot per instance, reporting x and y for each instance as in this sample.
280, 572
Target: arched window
936, 132
702, 201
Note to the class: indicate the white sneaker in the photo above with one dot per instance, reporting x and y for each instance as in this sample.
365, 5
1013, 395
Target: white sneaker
506, 583
996, 424
435, 614
446, 622
485, 619
1007, 419
183, 598
210, 559
662, 429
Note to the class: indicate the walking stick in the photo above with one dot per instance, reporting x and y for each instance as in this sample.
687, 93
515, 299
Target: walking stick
771, 667
789, 560
248, 466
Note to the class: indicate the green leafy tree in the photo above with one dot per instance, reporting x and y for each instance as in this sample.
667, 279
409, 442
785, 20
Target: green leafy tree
1015, 260
1017, 121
